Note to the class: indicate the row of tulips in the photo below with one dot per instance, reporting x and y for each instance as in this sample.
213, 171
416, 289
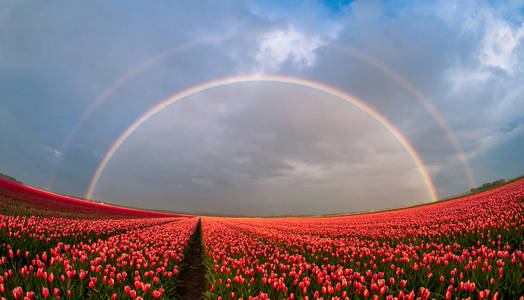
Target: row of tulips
130, 259
470, 247
38, 234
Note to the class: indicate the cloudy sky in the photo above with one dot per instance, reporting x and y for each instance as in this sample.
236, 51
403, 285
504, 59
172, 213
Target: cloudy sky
448, 75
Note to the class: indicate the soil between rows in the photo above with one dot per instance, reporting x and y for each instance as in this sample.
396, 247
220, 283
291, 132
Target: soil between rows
193, 282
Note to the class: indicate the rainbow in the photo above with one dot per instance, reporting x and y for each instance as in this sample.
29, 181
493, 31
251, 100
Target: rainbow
342, 48
120, 82
420, 98
264, 78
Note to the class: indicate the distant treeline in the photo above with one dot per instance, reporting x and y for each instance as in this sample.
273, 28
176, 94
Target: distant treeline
12, 179
488, 185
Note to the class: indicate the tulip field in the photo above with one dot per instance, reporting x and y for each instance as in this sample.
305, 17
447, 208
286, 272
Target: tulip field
58, 247
471, 247
91, 251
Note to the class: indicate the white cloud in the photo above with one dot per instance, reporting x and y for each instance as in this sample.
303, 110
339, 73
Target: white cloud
491, 81
279, 46
499, 43
463, 78
53, 154
496, 36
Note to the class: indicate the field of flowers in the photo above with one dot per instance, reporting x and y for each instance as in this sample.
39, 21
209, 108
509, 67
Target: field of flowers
90, 251
470, 247
17, 199
141, 262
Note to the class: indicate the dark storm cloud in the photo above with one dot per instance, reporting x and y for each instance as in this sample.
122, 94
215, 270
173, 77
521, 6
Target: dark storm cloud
57, 58
263, 149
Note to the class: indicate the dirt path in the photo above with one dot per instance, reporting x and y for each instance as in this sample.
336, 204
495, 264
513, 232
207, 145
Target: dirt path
193, 282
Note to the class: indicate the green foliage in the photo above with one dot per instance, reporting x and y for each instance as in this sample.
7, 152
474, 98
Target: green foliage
488, 185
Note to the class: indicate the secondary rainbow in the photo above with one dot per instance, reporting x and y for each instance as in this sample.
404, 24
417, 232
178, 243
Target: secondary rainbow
420, 98
264, 78
342, 48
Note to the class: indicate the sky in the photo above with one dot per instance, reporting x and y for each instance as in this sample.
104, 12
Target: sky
447, 75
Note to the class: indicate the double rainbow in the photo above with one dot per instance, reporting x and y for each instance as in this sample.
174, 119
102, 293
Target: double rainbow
265, 78
342, 48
